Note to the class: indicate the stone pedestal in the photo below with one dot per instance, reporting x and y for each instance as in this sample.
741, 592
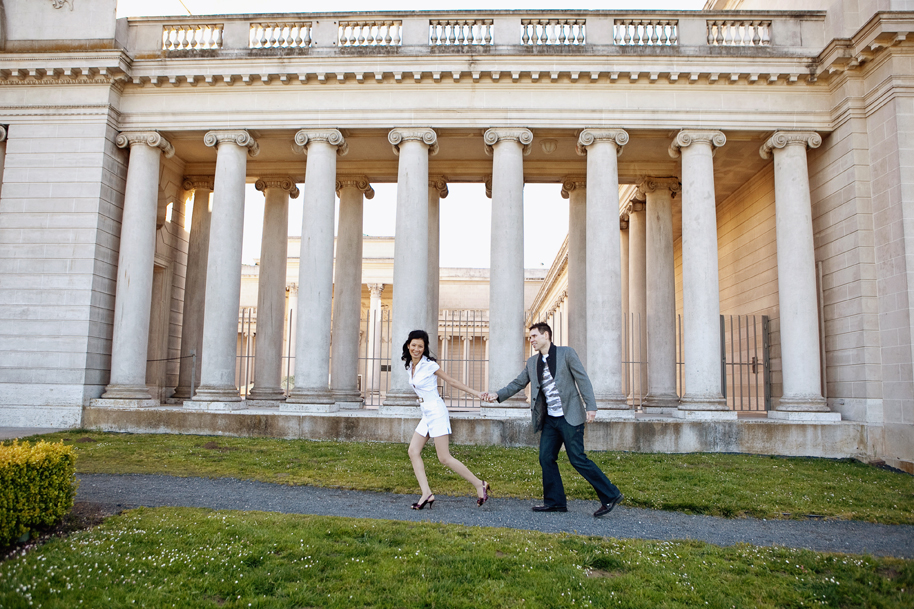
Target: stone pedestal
603, 276
315, 279
271, 292
700, 281
217, 389
347, 293
410, 309
132, 303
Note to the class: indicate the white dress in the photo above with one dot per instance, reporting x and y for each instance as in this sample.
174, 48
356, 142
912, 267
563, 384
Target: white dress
435, 421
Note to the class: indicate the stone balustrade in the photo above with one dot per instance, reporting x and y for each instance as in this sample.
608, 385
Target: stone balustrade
793, 32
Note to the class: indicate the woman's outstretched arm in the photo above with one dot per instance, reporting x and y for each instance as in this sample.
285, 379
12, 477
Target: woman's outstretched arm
454, 382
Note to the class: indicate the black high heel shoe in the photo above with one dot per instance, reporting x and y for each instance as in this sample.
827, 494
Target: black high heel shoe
485, 494
430, 501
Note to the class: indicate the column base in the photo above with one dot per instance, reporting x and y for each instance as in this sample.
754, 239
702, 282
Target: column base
710, 402
182, 392
214, 393
661, 403
612, 401
104, 402
811, 403
272, 394
127, 392
400, 399
310, 395
263, 403
215, 405
814, 417
288, 406
347, 399
705, 415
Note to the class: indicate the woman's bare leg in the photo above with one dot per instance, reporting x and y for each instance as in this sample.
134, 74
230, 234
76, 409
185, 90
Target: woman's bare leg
442, 447
415, 456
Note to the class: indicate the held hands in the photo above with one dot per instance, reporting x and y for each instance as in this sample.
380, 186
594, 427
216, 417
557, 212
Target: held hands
488, 397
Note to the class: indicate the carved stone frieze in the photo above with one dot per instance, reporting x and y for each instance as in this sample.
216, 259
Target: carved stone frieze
589, 137
359, 182
782, 139
240, 138
148, 138
282, 182
426, 135
334, 137
687, 137
522, 136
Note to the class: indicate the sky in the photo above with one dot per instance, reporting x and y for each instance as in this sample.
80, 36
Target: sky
466, 212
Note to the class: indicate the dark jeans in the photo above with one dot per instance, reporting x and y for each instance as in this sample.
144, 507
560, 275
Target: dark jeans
557, 431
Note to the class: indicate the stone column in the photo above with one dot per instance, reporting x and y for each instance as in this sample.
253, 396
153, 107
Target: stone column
315, 275
700, 280
271, 291
626, 339
347, 293
194, 286
374, 339
604, 291
507, 348
637, 297
661, 295
217, 390
437, 190
410, 310
291, 308
133, 295
575, 190
799, 315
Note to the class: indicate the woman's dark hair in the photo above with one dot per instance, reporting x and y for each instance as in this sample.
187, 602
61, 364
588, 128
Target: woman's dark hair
406, 357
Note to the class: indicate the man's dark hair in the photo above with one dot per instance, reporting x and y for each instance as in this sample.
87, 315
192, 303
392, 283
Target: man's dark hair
543, 328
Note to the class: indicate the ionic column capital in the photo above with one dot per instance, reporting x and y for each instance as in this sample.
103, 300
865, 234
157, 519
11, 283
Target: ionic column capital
333, 137
589, 137
488, 184
375, 289
360, 183
198, 183
782, 139
655, 184
522, 136
634, 206
152, 139
3, 132
572, 183
426, 135
439, 183
281, 182
623, 221
292, 289
687, 137
240, 138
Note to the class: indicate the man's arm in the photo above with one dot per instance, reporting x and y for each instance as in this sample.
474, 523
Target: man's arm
522, 380
582, 381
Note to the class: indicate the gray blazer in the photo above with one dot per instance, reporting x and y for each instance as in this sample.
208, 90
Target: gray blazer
570, 380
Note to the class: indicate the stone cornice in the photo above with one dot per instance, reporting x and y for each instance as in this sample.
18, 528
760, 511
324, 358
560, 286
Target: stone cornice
886, 29
687, 137
522, 136
199, 182
572, 183
439, 183
589, 137
358, 182
426, 135
333, 137
148, 138
240, 138
782, 139
651, 184
282, 182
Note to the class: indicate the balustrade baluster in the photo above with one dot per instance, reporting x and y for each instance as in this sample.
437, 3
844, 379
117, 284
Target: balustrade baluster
756, 37
396, 38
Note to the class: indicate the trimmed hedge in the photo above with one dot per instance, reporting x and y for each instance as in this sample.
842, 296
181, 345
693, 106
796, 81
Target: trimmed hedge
37, 486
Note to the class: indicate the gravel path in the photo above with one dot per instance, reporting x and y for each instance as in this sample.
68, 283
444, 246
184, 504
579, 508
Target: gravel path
849, 537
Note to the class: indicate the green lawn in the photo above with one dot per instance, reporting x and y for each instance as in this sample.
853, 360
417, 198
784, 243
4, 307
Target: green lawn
202, 558
716, 484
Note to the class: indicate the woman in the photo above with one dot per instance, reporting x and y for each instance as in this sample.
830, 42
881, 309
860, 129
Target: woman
423, 375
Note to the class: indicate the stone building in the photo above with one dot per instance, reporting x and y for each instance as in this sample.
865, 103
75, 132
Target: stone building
769, 148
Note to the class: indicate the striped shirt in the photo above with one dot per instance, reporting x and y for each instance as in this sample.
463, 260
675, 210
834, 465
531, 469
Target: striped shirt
553, 401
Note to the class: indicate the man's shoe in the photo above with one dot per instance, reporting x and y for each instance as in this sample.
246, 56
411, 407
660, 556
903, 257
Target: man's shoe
548, 508
607, 508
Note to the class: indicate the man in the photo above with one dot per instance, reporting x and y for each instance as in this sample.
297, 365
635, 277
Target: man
558, 383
